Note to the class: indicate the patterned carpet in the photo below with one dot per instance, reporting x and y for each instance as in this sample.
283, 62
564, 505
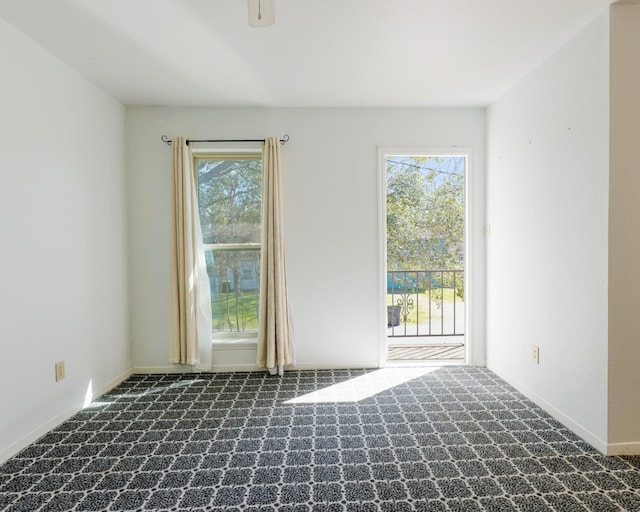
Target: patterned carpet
449, 439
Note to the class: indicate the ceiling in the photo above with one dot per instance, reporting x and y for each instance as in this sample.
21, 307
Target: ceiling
319, 53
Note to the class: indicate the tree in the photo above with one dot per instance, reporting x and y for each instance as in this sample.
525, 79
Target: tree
425, 214
230, 200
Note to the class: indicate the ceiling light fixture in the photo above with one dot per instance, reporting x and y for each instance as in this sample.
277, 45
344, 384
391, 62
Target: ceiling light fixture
262, 13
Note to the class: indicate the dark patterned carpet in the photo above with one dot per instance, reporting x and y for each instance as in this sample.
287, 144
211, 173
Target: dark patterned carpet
451, 439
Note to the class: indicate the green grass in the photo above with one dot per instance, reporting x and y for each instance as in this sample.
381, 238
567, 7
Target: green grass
225, 319
235, 314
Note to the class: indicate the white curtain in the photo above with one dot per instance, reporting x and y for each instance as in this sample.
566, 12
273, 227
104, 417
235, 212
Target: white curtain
275, 337
190, 294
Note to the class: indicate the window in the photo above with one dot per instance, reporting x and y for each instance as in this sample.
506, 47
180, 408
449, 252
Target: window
230, 203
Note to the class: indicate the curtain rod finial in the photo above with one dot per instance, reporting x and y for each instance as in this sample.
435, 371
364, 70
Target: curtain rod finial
284, 139
166, 140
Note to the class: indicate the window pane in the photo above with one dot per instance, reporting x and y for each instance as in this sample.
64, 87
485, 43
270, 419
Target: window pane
230, 203
425, 212
230, 199
234, 276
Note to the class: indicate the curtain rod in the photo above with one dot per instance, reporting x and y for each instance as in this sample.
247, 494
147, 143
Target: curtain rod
166, 140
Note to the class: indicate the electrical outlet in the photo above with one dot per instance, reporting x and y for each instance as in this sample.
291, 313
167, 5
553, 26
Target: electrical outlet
59, 371
535, 354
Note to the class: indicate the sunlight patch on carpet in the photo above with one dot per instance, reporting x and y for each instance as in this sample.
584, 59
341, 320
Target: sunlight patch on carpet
364, 386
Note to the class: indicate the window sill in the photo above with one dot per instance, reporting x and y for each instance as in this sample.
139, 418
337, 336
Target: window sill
234, 341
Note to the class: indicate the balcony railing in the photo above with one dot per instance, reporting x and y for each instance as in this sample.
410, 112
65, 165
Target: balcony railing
425, 303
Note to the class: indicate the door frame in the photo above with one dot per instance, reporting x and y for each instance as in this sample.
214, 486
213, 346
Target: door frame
383, 153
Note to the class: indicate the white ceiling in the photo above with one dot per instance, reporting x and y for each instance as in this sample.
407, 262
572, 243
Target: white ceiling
319, 53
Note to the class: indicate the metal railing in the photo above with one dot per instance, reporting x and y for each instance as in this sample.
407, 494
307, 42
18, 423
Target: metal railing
425, 303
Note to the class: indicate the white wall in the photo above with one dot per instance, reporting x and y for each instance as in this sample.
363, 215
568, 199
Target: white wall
624, 233
331, 217
547, 206
63, 269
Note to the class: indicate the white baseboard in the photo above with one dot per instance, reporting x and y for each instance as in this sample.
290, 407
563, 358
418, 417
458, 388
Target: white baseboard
252, 367
222, 368
113, 383
599, 444
623, 448
37, 433
52, 423
150, 370
174, 369
169, 368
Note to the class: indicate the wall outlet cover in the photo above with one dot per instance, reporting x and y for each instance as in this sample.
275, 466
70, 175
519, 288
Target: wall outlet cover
59, 371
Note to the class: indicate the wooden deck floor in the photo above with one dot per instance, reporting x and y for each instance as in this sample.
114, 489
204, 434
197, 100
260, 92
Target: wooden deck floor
430, 352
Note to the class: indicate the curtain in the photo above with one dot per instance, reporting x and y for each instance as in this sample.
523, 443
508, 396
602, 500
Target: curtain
275, 336
190, 293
